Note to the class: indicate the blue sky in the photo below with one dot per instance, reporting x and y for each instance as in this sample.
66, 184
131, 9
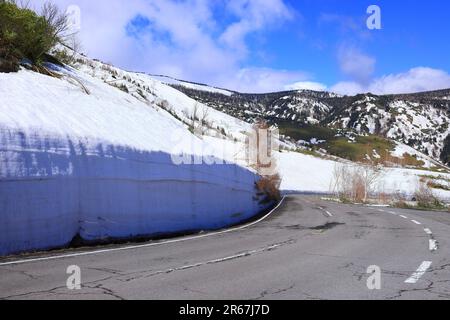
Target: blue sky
414, 33
272, 45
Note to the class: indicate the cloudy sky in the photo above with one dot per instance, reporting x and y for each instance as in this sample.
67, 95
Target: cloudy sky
272, 45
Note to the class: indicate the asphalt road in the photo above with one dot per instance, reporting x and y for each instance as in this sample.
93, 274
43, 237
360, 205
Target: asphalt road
306, 249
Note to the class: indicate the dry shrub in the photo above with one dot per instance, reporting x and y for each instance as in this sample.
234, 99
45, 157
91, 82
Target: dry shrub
269, 186
384, 198
425, 197
358, 187
261, 157
354, 183
399, 200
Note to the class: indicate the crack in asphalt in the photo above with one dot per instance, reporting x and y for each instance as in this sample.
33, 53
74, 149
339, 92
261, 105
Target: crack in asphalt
401, 292
53, 290
106, 291
266, 293
22, 272
145, 274
111, 271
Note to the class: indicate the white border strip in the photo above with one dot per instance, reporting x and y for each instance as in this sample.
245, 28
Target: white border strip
144, 245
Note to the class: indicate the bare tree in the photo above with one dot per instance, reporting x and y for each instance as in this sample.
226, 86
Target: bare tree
203, 120
194, 115
370, 175
356, 182
199, 118
57, 20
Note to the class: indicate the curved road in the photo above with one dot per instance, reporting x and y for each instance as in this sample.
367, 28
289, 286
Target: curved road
306, 249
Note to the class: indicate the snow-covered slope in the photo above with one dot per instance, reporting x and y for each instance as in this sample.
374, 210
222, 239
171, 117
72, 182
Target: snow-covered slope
160, 96
191, 85
305, 173
80, 157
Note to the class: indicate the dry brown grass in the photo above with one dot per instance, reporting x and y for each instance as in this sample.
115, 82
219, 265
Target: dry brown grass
406, 160
384, 198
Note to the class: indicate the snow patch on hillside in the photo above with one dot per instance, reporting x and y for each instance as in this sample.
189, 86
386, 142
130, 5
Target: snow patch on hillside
190, 85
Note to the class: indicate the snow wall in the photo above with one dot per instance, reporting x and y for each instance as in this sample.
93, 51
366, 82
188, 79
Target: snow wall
52, 189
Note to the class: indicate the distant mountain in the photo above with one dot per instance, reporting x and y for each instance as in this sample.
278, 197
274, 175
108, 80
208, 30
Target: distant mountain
420, 120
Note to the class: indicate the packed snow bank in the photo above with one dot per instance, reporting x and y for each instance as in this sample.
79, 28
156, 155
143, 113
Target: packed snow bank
305, 173
101, 166
308, 174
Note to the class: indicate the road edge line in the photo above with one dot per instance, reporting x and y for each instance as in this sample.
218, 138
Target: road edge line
95, 252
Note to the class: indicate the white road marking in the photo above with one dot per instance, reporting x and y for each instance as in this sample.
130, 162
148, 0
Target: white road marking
381, 210
377, 205
433, 245
144, 245
326, 211
419, 273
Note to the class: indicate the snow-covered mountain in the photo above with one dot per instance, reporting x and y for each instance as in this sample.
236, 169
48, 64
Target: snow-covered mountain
419, 120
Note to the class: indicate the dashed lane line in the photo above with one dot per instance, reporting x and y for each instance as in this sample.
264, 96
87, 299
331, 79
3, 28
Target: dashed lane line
433, 245
328, 213
419, 273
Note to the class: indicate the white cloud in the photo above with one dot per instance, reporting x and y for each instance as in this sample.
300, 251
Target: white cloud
253, 15
184, 39
307, 85
355, 64
261, 80
415, 80
348, 88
